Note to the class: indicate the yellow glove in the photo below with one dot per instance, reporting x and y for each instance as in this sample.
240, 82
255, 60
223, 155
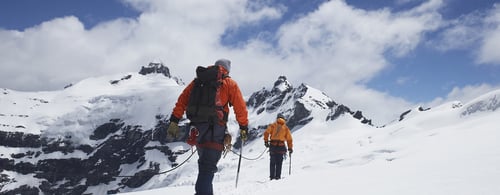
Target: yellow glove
173, 130
243, 134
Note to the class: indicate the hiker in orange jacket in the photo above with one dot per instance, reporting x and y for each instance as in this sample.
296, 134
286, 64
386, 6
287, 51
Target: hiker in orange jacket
212, 136
274, 137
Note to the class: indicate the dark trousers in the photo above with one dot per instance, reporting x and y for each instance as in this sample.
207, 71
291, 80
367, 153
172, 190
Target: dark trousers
207, 166
276, 153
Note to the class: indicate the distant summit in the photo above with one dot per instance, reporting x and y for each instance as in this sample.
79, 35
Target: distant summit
155, 68
159, 68
299, 105
281, 85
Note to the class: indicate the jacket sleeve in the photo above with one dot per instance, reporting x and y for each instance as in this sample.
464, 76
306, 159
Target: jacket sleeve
182, 102
288, 137
239, 104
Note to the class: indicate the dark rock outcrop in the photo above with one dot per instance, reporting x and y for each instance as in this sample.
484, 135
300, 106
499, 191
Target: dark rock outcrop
295, 105
120, 144
155, 68
19, 139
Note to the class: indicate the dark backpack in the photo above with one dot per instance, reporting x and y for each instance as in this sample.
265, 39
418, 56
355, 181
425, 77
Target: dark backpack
202, 99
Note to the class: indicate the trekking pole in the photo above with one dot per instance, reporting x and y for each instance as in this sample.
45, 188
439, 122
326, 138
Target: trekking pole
239, 161
290, 166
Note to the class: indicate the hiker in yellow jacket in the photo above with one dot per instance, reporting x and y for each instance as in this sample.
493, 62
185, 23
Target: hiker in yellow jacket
274, 137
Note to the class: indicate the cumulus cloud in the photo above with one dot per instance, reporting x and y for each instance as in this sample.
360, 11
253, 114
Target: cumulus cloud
345, 43
336, 48
491, 42
461, 33
478, 30
185, 34
340, 47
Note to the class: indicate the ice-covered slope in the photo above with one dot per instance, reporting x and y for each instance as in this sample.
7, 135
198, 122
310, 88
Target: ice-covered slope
437, 151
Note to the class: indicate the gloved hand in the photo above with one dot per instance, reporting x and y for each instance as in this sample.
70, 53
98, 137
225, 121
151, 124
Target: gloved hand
290, 150
173, 130
266, 143
243, 133
227, 142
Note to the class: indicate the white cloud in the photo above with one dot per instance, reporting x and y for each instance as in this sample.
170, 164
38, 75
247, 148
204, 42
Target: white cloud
48, 54
339, 47
336, 48
491, 42
461, 33
478, 30
465, 94
181, 33
381, 107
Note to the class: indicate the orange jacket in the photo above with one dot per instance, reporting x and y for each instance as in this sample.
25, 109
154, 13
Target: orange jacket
229, 93
278, 131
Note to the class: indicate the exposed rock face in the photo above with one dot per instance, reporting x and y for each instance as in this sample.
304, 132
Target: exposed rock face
337, 112
487, 104
127, 77
159, 68
120, 144
19, 139
155, 68
282, 98
296, 104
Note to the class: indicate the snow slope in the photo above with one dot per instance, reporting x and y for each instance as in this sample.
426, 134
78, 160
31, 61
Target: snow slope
438, 151
88, 100
449, 149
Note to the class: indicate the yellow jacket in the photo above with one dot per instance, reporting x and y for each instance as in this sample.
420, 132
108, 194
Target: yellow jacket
278, 133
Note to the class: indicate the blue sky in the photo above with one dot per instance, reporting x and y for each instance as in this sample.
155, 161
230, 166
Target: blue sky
396, 53
22, 14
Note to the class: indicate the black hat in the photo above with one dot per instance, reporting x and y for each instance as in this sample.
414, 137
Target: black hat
280, 116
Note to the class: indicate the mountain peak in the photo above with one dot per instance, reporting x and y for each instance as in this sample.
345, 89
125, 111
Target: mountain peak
281, 85
299, 105
155, 68
159, 68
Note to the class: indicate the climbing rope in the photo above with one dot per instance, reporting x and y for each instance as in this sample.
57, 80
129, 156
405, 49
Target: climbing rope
191, 155
246, 158
163, 172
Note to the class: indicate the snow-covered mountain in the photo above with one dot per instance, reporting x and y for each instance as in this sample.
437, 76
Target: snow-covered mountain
299, 105
79, 139
449, 149
106, 134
